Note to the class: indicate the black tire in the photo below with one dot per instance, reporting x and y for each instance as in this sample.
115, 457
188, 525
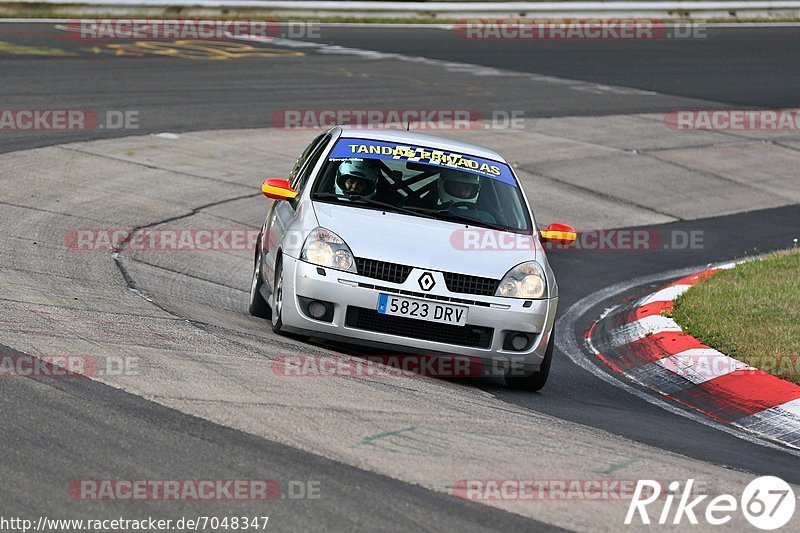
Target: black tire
535, 381
258, 305
277, 297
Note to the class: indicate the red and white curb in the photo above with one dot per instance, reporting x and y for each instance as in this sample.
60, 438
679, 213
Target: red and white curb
637, 339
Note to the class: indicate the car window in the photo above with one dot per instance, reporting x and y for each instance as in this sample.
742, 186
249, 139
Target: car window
311, 162
294, 174
422, 180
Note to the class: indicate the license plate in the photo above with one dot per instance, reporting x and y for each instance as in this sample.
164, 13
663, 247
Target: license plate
389, 304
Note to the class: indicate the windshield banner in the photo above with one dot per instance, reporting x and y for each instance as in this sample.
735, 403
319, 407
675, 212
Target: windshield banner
371, 149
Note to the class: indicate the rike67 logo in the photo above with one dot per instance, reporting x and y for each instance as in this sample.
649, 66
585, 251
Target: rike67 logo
767, 502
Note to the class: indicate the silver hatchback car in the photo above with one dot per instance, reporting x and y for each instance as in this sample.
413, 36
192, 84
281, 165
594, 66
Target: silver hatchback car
407, 242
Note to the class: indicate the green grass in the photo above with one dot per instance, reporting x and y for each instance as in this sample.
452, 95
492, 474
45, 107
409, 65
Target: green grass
751, 312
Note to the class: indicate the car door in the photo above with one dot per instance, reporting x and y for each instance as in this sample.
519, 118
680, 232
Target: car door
282, 213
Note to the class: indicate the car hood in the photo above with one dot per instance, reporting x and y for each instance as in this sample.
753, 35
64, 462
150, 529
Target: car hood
426, 243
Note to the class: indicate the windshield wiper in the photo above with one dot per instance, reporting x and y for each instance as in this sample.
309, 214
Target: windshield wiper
363, 200
454, 216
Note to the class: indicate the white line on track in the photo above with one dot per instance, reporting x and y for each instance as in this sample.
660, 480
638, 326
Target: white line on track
450, 66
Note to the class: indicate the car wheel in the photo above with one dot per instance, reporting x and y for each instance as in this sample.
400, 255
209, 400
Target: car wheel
277, 297
258, 305
535, 381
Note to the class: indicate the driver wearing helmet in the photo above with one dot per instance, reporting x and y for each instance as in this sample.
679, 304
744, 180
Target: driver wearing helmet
458, 187
357, 178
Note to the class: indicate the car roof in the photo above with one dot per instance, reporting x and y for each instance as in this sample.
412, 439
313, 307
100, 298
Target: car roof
416, 138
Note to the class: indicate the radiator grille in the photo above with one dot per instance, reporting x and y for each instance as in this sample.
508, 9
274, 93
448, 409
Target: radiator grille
391, 272
396, 273
465, 284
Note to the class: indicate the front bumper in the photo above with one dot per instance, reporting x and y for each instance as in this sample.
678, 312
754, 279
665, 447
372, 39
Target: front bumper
345, 289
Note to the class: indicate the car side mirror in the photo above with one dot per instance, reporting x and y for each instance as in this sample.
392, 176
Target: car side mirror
558, 234
278, 189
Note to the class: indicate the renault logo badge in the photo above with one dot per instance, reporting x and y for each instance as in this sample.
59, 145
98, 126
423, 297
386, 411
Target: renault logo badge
426, 281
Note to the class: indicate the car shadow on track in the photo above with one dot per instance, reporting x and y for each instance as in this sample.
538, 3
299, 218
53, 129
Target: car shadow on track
458, 370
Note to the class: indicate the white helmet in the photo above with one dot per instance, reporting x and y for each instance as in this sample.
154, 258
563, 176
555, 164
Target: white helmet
357, 177
457, 186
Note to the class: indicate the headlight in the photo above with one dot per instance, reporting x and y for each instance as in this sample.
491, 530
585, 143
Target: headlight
324, 248
523, 281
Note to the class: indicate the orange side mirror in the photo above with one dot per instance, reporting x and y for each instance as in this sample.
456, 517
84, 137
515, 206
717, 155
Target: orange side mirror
558, 234
278, 189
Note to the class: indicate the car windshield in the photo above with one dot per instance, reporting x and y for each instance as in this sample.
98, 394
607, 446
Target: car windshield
425, 182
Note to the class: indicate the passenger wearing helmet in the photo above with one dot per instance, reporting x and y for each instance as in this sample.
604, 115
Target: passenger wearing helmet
357, 178
455, 192
458, 187
458, 191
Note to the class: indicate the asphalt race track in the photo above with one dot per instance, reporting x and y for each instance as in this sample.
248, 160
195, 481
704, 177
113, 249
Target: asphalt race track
200, 409
751, 67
